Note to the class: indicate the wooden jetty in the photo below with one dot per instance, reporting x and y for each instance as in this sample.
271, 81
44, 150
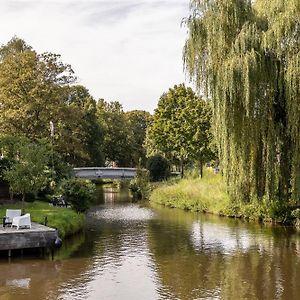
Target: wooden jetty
39, 236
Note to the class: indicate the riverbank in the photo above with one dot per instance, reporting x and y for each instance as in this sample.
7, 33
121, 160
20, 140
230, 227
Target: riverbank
209, 195
66, 220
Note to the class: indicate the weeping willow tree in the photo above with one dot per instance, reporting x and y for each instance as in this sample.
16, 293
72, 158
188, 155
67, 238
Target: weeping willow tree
245, 56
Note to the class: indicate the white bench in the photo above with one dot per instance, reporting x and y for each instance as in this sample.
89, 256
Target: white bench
22, 221
10, 215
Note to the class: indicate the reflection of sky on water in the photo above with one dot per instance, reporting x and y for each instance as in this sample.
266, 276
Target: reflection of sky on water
124, 213
122, 267
23, 283
213, 237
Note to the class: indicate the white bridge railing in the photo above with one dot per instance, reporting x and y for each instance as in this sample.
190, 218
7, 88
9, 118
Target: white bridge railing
106, 173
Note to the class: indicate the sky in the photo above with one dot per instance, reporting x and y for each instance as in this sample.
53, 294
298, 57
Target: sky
121, 50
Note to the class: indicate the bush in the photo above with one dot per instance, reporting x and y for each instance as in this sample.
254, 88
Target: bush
159, 168
139, 186
79, 193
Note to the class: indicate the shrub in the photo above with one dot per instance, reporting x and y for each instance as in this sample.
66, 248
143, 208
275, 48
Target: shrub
159, 168
79, 193
140, 184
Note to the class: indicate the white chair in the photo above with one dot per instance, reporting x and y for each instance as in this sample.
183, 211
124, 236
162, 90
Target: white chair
22, 221
10, 215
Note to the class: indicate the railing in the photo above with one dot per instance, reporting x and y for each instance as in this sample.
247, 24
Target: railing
106, 173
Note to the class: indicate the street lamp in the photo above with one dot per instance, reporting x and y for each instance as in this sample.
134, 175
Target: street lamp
52, 136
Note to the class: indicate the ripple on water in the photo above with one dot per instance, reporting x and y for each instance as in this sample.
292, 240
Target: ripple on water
124, 213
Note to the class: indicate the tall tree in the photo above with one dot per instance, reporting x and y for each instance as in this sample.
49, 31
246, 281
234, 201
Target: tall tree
30, 89
34, 90
181, 127
89, 132
138, 121
246, 56
117, 142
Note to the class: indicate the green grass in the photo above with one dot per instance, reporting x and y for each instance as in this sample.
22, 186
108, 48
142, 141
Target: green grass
209, 195
196, 194
65, 220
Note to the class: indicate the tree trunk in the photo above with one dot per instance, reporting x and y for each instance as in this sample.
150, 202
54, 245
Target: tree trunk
201, 168
23, 200
181, 168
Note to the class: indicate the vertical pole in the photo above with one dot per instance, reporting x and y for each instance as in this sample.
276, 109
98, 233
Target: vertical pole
52, 150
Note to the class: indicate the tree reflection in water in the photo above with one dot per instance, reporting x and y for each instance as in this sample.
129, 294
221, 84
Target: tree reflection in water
133, 251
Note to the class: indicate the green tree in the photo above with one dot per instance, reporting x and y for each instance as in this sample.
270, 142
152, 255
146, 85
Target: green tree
181, 127
29, 173
245, 55
31, 90
88, 130
34, 90
117, 142
138, 121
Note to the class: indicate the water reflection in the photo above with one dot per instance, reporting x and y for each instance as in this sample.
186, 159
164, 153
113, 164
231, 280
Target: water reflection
112, 194
133, 251
225, 260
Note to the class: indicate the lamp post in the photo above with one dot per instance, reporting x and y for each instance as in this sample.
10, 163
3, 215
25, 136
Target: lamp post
52, 136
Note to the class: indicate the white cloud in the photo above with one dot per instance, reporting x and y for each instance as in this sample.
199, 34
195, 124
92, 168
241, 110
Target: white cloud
129, 50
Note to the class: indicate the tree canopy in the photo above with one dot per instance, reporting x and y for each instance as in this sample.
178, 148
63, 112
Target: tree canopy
36, 89
180, 129
29, 172
245, 55
117, 139
49, 124
138, 121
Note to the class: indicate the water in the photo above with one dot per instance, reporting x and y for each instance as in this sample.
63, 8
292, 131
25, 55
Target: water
136, 251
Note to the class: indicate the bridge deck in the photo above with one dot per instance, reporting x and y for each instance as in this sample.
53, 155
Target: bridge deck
107, 173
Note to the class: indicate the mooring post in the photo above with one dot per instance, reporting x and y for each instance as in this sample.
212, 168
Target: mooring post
9, 253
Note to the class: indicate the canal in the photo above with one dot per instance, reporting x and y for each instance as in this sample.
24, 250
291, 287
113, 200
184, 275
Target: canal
140, 251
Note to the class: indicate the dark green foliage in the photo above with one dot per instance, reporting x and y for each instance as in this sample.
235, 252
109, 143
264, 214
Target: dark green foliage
117, 144
138, 122
140, 184
29, 172
159, 168
88, 130
5, 164
79, 193
180, 129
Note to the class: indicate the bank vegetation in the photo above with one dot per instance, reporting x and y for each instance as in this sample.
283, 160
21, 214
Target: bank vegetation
210, 195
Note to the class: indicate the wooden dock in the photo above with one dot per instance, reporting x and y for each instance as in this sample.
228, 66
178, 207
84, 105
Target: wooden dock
39, 236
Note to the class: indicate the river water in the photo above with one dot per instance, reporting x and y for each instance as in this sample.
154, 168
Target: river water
139, 251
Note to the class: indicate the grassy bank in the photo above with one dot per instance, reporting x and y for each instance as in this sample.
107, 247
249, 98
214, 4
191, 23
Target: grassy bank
209, 195
206, 194
65, 220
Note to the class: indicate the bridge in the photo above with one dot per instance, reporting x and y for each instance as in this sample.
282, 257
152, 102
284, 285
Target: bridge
105, 173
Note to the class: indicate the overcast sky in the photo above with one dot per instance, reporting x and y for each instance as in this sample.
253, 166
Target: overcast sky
124, 50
